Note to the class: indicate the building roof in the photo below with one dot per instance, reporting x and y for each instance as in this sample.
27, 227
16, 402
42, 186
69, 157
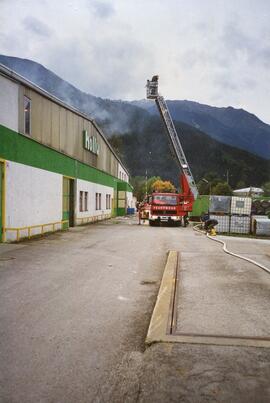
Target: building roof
249, 190
6, 71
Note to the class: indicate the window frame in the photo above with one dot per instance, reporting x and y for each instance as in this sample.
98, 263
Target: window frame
108, 201
99, 201
81, 201
27, 99
85, 199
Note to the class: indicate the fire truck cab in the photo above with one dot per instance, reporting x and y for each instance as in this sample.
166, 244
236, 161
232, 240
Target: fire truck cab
170, 208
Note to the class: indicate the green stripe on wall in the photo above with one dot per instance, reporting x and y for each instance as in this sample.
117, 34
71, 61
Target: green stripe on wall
124, 186
121, 211
18, 148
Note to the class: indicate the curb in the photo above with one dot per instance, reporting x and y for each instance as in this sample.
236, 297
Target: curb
162, 324
162, 318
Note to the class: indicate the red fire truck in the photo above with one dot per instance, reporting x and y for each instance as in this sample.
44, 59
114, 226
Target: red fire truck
169, 207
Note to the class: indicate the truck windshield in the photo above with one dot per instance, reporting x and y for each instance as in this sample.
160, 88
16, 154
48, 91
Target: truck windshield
169, 200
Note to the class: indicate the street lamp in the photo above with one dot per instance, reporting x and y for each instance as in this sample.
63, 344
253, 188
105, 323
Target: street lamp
206, 181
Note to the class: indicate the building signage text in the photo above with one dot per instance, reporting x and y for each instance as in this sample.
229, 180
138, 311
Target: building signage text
90, 143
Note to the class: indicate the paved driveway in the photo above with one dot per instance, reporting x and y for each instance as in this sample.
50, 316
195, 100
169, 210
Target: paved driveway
75, 308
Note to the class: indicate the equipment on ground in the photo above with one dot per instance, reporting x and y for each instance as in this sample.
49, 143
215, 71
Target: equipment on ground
169, 207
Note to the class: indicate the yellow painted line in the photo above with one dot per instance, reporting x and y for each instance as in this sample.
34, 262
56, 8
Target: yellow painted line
3, 200
216, 341
93, 218
68, 177
30, 227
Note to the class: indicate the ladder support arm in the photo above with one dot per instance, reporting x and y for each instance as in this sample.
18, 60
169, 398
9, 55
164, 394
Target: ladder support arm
152, 93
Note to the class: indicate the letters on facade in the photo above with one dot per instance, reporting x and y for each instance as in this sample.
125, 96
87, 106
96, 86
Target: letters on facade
90, 143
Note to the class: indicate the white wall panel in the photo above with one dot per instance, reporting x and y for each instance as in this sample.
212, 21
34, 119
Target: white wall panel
92, 189
33, 197
130, 201
122, 173
9, 94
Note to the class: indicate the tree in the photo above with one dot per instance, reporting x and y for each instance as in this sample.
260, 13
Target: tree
240, 185
207, 183
163, 186
222, 188
141, 186
203, 187
266, 188
138, 183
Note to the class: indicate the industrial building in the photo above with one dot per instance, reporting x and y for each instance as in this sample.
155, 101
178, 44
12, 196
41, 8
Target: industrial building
56, 167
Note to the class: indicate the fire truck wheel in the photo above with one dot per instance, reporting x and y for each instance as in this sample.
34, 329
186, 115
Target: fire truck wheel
185, 221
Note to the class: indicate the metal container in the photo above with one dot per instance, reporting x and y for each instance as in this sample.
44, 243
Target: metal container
254, 218
241, 205
262, 226
223, 222
220, 204
240, 224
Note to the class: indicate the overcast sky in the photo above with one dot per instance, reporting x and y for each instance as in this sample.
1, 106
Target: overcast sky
215, 52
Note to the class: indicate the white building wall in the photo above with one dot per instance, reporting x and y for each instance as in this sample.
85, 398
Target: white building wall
33, 197
92, 189
130, 201
9, 99
122, 173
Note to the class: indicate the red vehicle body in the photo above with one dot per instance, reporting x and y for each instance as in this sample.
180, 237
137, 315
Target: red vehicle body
171, 208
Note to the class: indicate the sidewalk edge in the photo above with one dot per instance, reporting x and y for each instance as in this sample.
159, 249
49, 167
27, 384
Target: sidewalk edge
162, 316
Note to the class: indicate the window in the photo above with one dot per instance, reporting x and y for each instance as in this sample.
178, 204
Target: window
239, 204
98, 201
108, 202
161, 199
83, 201
27, 115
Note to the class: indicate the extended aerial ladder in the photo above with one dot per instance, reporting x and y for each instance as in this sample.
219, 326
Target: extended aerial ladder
189, 188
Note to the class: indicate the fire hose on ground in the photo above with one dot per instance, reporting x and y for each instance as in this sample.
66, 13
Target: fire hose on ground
227, 251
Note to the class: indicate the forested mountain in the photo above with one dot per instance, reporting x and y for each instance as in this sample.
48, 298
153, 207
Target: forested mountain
137, 133
149, 151
235, 127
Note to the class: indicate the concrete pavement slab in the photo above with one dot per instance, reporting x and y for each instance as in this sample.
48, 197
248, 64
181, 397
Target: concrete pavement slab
219, 298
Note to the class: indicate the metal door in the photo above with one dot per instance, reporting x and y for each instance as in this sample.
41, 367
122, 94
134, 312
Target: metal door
68, 202
1, 199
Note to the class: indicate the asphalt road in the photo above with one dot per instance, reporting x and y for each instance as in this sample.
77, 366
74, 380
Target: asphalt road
73, 304
75, 309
